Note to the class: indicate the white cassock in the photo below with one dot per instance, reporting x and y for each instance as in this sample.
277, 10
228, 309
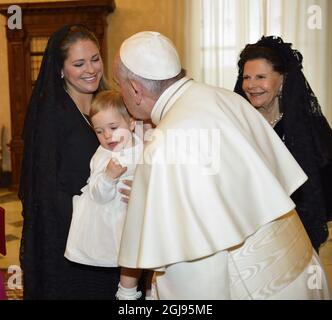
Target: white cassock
210, 209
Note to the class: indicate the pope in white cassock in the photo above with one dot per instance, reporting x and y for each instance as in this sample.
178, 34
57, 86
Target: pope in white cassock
210, 208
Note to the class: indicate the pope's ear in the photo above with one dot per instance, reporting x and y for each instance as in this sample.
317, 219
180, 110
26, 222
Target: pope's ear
137, 90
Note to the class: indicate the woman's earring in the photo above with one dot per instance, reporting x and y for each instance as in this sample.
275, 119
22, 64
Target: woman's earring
62, 75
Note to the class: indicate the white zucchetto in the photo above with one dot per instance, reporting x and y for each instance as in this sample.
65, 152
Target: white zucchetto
150, 55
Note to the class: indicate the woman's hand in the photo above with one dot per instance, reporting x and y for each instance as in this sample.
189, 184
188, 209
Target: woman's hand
126, 191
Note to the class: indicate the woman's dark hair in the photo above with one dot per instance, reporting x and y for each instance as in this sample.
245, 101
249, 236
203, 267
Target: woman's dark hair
280, 54
253, 52
76, 33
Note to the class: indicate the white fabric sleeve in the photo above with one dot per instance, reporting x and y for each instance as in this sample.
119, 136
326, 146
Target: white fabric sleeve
102, 188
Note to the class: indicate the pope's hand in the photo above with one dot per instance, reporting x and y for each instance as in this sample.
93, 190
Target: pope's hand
126, 192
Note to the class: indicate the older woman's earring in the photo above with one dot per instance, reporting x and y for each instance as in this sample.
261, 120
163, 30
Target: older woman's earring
62, 75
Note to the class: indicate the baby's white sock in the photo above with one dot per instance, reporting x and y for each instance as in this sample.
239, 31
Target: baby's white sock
127, 293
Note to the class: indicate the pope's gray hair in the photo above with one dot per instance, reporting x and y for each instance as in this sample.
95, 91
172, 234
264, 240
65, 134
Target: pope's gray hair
154, 87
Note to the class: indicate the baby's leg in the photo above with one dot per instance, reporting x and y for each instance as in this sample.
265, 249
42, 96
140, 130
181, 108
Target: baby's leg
129, 277
127, 288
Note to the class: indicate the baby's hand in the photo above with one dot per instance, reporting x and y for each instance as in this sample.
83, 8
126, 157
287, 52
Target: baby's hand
114, 169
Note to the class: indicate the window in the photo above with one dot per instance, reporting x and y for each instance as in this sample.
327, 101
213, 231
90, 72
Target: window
37, 48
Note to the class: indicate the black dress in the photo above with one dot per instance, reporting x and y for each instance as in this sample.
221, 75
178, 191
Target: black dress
47, 273
310, 199
58, 146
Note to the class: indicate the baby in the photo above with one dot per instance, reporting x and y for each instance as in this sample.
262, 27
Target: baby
99, 212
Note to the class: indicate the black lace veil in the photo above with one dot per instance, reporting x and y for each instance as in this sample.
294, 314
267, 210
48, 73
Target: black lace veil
38, 174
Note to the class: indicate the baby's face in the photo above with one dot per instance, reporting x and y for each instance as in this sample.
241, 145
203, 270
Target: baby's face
114, 132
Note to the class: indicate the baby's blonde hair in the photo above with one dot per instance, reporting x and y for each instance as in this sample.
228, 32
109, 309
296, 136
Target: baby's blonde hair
109, 99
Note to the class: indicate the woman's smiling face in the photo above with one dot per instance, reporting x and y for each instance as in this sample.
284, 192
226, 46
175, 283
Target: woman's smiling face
261, 83
83, 68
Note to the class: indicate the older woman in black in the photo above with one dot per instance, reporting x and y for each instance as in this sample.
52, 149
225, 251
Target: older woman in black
58, 145
271, 79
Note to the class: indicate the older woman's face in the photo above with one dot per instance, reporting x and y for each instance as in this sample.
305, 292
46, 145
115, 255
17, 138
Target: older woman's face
261, 83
